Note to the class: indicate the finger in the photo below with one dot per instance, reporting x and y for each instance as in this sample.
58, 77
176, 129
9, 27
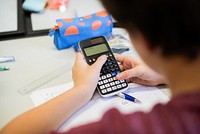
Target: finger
134, 72
79, 57
100, 61
79, 54
119, 57
142, 82
121, 67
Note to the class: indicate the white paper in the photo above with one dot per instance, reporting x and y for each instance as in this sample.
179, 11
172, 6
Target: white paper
41, 96
94, 110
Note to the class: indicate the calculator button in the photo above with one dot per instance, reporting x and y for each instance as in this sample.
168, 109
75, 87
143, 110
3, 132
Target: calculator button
114, 88
107, 68
117, 82
105, 81
113, 74
124, 84
110, 80
90, 61
110, 63
112, 83
103, 77
103, 91
100, 82
109, 89
93, 59
99, 78
119, 86
122, 81
114, 78
107, 85
102, 87
108, 75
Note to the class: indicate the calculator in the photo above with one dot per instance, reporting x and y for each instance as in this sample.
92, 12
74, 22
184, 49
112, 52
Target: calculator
107, 85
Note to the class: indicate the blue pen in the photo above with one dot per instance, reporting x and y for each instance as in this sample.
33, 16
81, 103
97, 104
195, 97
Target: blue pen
128, 97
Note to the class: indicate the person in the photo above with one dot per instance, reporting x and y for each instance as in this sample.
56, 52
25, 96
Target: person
166, 36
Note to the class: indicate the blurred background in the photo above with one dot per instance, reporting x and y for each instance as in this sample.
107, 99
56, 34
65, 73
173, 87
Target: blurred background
26, 18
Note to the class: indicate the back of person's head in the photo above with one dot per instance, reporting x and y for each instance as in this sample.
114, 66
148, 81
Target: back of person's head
172, 25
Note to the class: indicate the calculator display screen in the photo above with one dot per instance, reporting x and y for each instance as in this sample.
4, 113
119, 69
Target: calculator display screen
89, 51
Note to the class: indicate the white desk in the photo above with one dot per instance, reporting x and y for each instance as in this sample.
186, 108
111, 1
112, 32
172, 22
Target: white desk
35, 57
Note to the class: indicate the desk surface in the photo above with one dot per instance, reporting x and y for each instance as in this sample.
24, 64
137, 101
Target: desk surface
35, 57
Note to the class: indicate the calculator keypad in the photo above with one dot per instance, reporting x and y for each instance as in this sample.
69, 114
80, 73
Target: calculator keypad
107, 82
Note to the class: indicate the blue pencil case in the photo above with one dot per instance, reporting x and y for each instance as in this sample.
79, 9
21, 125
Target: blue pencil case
70, 31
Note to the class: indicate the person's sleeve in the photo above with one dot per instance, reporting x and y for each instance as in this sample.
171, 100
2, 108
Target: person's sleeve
113, 122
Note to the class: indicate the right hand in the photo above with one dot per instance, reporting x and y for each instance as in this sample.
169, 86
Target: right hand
134, 70
85, 77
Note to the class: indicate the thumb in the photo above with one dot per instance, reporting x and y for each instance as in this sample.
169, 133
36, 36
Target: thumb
134, 72
99, 63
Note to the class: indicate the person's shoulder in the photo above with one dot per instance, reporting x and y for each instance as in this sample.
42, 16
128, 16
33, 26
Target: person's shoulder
179, 103
181, 111
185, 100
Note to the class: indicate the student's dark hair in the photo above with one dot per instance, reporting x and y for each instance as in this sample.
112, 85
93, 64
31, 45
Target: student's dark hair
172, 25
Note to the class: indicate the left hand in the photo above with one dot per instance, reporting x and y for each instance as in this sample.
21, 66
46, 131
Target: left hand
85, 77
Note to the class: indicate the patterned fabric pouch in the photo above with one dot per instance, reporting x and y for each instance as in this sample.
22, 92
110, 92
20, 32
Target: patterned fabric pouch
70, 31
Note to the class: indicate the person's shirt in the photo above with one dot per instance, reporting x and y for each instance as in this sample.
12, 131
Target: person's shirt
179, 116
